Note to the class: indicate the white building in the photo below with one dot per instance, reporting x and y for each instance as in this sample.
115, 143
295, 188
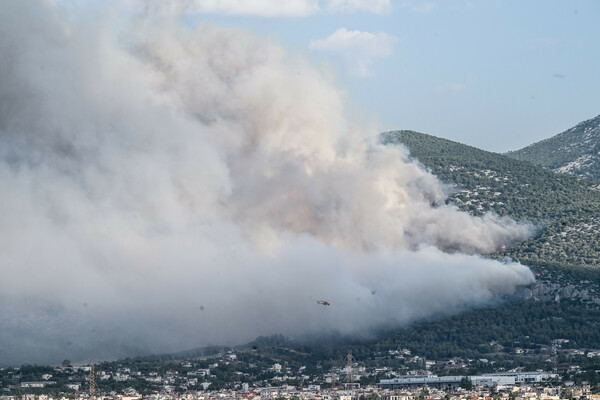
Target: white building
501, 378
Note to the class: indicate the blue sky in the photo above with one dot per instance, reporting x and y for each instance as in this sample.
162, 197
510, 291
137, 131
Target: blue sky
493, 74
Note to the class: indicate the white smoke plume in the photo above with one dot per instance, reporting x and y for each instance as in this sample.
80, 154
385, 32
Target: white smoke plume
164, 187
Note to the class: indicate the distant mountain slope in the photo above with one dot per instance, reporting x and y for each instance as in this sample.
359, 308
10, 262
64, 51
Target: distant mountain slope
575, 151
566, 210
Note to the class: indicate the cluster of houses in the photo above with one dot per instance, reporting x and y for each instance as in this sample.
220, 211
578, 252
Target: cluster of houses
519, 391
256, 380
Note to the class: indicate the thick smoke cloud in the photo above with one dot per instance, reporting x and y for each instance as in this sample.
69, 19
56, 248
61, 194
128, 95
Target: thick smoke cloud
164, 187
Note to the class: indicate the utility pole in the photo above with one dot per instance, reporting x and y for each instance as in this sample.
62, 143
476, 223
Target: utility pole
554, 357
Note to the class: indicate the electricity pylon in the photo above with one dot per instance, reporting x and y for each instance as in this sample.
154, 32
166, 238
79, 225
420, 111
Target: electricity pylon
92, 382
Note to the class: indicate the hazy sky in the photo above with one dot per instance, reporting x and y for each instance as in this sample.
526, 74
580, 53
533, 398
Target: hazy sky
494, 74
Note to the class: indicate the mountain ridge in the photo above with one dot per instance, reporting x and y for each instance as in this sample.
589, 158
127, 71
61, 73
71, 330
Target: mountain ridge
575, 151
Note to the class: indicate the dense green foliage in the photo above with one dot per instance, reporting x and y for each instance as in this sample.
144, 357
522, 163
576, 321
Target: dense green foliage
575, 151
565, 210
490, 331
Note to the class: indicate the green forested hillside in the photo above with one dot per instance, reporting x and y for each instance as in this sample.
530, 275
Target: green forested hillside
564, 209
575, 151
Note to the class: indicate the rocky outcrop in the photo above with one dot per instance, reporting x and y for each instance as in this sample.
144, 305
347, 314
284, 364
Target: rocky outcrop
544, 290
